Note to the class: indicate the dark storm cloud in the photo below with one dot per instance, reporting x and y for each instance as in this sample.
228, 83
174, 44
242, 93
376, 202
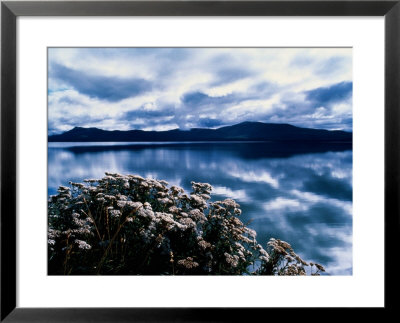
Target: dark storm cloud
197, 99
335, 93
209, 122
143, 112
146, 117
314, 108
102, 87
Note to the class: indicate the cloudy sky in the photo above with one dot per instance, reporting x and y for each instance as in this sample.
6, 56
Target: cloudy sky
168, 88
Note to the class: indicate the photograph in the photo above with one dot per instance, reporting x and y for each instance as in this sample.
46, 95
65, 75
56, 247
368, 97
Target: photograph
200, 161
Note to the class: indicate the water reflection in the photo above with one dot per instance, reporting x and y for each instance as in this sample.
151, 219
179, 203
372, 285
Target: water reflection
297, 193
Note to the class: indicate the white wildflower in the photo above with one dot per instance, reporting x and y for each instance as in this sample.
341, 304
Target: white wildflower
175, 190
232, 260
204, 244
121, 204
115, 213
90, 180
133, 205
164, 201
146, 213
83, 244
188, 222
251, 232
188, 263
198, 201
197, 215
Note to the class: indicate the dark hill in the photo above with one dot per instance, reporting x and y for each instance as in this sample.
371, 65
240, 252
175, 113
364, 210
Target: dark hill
246, 131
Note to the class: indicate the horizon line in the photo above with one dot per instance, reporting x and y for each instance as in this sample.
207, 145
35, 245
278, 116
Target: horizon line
179, 129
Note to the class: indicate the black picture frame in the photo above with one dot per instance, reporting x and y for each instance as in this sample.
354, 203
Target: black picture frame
10, 10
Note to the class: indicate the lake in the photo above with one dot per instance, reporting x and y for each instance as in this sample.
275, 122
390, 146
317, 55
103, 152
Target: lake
297, 192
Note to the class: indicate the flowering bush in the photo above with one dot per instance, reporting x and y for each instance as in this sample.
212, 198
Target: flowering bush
128, 225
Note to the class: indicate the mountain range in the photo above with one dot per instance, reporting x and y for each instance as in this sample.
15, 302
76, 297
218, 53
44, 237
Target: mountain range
245, 131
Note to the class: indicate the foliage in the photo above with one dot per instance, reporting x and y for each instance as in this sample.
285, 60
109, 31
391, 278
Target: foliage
128, 225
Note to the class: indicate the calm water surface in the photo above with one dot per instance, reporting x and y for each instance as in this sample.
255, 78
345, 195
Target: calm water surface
295, 192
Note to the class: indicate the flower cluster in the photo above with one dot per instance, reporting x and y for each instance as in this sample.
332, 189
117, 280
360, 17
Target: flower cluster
283, 261
126, 224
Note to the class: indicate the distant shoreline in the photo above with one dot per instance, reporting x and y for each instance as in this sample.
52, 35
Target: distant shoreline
242, 132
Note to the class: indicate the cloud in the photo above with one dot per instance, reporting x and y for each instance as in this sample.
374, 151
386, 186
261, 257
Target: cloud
331, 65
210, 123
331, 94
101, 87
199, 99
196, 99
165, 88
228, 75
